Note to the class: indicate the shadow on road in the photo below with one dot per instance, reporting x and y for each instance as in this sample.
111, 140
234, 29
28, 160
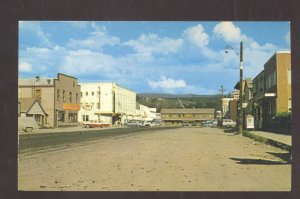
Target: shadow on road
258, 161
229, 130
283, 156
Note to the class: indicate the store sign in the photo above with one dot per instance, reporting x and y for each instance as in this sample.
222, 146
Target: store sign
72, 107
87, 106
250, 122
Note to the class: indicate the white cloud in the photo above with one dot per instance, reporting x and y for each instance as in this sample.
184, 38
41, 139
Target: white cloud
167, 83
229, 32
96, 40
287, 37
25, 67
86, 62
196, 36
148, 44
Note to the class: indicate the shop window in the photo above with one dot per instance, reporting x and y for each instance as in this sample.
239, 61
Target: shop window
38, 94
57, 95
85, 118
61, 116
72, 117
70, 97
64, 95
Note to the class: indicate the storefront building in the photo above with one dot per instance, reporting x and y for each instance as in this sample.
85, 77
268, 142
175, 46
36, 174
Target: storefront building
59, 98
176, 117
107, 102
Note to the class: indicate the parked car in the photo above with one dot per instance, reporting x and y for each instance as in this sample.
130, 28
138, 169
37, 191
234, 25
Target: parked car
228, 123
27, 124
207, 123
95, 123
185, 124
133, 123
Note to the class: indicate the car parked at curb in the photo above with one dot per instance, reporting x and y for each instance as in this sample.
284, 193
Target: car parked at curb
133, 123
95, 123
27, 124
228, 123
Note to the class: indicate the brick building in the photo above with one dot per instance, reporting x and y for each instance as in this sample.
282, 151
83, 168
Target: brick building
272, 90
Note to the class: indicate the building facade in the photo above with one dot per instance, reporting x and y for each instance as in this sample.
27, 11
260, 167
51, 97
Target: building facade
233, 110
248, 96
277, 98
30, 107
108, 102
258, 100
175, 117
59, 98
225, 106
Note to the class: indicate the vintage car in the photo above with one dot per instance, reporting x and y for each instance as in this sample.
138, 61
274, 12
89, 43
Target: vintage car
27, 124
95, 123
133, 123
228, 123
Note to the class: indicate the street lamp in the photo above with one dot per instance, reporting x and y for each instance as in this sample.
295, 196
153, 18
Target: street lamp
241, 112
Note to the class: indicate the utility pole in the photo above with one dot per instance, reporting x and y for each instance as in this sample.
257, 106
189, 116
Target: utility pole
222, 95
241, 123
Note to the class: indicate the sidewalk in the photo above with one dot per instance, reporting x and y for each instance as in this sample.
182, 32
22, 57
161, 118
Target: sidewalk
279, 140
66, 129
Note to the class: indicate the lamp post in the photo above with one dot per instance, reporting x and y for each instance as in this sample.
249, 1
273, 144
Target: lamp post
241, 124
241, 110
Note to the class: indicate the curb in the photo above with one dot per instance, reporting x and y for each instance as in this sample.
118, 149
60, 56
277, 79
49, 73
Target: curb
268, 141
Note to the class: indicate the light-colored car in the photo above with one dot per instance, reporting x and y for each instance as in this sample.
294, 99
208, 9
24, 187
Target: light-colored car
147, 124
133, 123
95, 123
228, 123
27, 124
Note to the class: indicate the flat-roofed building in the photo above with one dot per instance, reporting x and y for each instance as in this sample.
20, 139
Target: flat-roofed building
108, 102
176, 117
277, 96
59, 98
258, 99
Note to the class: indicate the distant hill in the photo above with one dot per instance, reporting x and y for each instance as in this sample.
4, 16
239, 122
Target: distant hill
166, 95
161, 100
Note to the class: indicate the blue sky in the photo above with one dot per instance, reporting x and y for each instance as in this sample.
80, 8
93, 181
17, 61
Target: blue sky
164, 57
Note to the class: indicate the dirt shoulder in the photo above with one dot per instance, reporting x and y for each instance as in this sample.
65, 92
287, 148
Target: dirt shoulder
185, 159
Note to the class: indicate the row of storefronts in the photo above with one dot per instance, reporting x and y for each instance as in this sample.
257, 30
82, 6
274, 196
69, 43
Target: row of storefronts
267, 94
56, 100
62, 101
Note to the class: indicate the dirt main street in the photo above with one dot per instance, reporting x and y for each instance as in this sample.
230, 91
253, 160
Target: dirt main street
183, 159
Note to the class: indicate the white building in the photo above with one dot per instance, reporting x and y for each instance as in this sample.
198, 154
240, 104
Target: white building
235, 94
145, 113
107, 102
225, 105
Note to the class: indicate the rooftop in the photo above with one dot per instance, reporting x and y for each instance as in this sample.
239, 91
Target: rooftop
36, 81
186, 110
